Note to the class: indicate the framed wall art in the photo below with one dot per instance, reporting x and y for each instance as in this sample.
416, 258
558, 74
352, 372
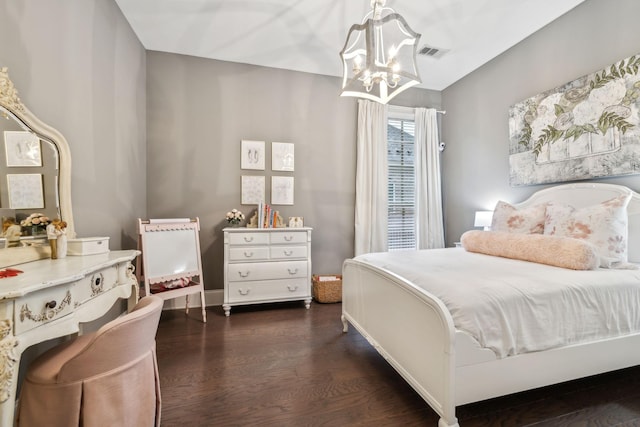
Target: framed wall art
252, 155
25, 191
587, 128
282, 156
253, 190
282, 190
22, 149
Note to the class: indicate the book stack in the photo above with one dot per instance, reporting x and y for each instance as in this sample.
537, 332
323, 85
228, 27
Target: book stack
267, 217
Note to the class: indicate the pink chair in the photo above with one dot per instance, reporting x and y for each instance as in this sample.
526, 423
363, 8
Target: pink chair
106, 378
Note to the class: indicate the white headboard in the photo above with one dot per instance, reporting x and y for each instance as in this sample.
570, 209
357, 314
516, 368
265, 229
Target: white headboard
585, 194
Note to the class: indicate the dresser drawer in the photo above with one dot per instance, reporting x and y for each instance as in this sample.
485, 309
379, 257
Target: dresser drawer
43, 307
94, 284
288, 252
267, 271
287, 237
249, 253
249, 238
261, 291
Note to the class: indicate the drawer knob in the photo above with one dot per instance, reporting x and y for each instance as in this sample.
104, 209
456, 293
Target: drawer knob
292, 271
248, 254
241, 292
51, 310
288, 253
97, 282
248, 238
243, 274
292, 288
288, 238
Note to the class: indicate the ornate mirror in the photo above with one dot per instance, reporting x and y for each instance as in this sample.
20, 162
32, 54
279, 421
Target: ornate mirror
35, 177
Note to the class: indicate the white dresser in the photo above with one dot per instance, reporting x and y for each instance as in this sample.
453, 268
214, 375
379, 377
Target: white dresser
266, 265
50, 299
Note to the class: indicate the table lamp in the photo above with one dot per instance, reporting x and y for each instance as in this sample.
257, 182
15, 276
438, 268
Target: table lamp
483, 219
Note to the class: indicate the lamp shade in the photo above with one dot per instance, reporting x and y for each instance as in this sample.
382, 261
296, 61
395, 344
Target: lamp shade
483, 219
379, 56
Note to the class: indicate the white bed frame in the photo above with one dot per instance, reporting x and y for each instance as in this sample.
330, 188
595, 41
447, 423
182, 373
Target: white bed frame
414, 331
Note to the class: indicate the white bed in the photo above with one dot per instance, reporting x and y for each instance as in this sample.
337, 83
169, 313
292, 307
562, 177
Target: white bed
414, 331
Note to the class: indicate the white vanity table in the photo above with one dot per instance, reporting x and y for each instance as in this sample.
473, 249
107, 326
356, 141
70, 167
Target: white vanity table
50, 299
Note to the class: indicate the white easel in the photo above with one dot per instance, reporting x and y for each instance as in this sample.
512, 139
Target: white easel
171, 252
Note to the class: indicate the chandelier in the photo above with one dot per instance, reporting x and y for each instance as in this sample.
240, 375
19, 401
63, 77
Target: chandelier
379, 56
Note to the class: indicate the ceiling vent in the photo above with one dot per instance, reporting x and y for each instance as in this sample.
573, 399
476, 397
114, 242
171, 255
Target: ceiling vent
433, 52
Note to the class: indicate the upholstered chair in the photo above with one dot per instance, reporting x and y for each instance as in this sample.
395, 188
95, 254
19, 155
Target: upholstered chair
106, 378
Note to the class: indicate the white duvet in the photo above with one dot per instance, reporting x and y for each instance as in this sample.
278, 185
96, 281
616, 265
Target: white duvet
513, 306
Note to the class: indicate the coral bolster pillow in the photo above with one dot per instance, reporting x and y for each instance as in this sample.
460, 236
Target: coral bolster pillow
558, 251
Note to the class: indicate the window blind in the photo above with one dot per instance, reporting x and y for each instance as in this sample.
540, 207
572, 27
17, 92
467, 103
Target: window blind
401, 184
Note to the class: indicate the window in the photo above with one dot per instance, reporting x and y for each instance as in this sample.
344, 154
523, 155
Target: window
401, 184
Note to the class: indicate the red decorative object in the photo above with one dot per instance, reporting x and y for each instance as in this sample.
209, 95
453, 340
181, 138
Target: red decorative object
9, 272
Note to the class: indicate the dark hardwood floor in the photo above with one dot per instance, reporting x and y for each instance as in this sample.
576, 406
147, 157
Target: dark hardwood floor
282, 365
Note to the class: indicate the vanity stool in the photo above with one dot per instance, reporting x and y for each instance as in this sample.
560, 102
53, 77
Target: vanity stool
109, 377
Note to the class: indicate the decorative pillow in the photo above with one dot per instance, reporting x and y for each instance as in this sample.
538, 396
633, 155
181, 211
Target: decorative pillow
604, 225
508, 218
551, 250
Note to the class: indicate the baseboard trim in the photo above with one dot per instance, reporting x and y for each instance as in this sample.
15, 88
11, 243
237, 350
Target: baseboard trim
211, 297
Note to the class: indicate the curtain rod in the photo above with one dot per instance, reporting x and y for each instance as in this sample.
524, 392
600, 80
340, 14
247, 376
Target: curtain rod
409, 110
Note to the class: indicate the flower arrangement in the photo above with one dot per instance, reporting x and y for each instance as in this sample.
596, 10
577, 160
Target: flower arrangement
36, 219
234, 217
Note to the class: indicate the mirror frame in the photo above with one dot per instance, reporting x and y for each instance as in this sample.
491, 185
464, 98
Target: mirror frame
11, 102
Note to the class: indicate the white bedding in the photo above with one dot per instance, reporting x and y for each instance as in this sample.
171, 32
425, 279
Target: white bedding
513, 306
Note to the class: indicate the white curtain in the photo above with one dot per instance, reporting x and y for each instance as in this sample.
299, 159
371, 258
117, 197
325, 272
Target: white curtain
371, 178
429, 221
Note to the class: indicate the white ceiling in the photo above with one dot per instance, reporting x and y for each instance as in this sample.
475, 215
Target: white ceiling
306, 35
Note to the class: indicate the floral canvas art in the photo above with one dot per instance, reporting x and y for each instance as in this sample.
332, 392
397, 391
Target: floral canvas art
584, 129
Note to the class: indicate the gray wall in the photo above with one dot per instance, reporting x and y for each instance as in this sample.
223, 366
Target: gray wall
475, 164
80, 68
198, 112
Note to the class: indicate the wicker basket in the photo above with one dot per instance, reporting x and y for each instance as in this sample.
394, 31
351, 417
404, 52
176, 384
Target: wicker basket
327, 291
